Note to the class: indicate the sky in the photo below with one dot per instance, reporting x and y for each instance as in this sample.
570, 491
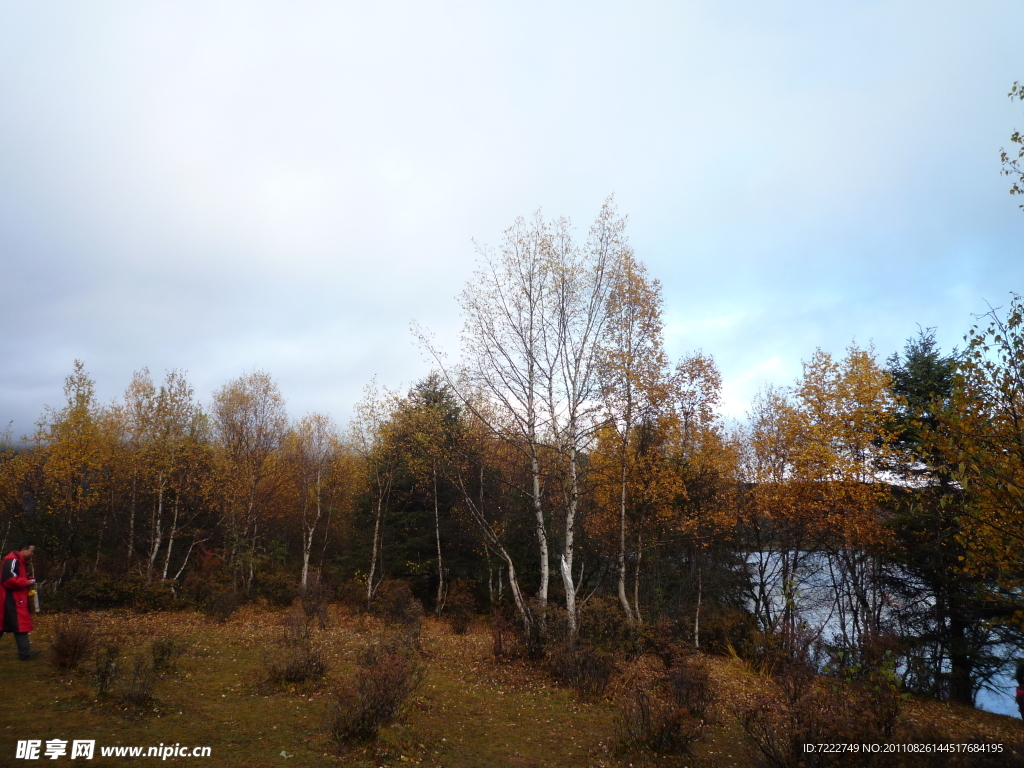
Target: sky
218, 187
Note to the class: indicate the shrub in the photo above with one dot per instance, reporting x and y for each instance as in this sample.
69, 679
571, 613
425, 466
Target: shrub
106, 669
138, 689
221, 605
725, 629
648, 724
807, 710
870, 671
689, 687
603, 624
394, 601
99, 590
459, 622
387, 675
670, 726
156, 596
582, 668
277, 586
299, 665
73, 639
460, 606
96, 591
316, 597
503, 636
547, 626
778, 730
206, 577
296, 628
665, 639
166, 651
351, 593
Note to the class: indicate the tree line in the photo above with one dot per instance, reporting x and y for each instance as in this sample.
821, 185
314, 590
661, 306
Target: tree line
563, 463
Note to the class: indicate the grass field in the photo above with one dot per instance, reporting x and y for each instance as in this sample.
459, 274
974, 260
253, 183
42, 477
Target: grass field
469, 712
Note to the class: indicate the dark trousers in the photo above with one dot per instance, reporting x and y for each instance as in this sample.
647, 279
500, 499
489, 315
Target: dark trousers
21, 638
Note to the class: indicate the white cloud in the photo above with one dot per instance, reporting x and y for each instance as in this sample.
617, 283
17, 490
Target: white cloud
217, 187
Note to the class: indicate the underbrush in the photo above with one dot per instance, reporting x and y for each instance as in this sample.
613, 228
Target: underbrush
459, 606
858, 705
315, 599
103, 591
296, 627
73, 640
137, 690
301, 664
86, 655
166, 651
467, 712
387, 675
105, 668
673, 722
297, 660
395, 603
582, 668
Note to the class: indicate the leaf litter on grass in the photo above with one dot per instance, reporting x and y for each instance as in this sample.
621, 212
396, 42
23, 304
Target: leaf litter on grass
470, 711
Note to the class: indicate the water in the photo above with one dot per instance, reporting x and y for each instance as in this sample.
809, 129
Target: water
815, 597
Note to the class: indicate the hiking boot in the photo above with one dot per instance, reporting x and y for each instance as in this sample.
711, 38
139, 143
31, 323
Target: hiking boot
30, 655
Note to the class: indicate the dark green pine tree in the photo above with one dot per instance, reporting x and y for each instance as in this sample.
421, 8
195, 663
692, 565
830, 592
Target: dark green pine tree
950, 646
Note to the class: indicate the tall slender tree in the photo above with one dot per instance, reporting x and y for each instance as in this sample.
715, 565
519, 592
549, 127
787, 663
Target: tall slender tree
250, 424
633, 384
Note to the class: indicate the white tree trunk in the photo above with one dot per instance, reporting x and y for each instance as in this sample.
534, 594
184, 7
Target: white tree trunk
623, 598
170, 539
156, 534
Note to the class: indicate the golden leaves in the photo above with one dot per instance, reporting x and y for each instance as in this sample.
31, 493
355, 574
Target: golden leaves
814, 450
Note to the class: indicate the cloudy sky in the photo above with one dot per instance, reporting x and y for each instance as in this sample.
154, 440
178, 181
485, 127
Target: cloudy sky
218, 187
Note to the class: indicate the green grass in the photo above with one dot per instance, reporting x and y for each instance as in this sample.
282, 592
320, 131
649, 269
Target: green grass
470, 711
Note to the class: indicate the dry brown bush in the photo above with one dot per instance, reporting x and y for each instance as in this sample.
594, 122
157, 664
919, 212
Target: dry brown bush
137, 691
315, 598
106, 668
296, 627
582, 668
395, 603
459, 606
669, 725
298, 665
166, 651
387, 676
73, 640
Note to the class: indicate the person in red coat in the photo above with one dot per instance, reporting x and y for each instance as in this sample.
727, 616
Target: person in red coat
14, 584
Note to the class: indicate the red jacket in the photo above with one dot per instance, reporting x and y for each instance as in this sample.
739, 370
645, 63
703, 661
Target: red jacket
14, 595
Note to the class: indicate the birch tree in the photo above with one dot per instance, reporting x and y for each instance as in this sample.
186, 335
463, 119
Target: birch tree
506, 355
370, 438
817, 449
583, 282
313, 452
250, 424
533, 320
705, 460
166, 428
632, 384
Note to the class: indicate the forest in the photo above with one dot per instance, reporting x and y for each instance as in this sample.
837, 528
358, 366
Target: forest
563, 477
